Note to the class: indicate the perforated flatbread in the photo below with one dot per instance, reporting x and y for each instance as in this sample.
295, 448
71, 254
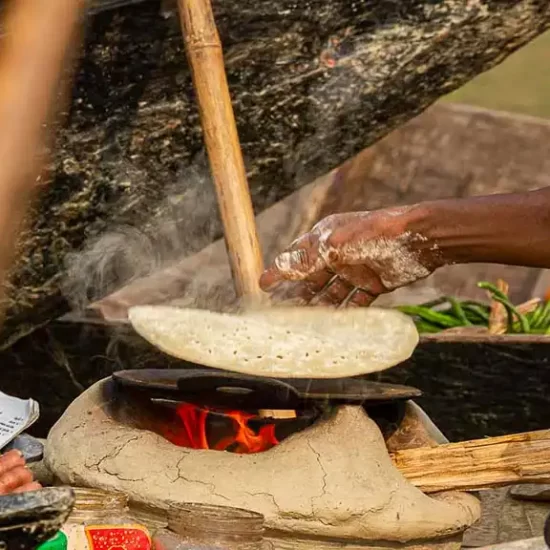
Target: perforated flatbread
283, 342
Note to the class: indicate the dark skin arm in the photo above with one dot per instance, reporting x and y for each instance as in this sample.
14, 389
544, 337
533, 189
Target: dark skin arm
350, 259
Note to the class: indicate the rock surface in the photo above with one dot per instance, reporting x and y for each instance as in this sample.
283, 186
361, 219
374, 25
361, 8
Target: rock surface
28, 519
313, 83
505, 519
332, 480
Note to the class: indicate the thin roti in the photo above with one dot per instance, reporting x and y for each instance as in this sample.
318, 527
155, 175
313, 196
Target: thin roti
282, 342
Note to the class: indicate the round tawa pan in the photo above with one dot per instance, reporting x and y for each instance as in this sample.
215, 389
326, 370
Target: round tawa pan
204, 385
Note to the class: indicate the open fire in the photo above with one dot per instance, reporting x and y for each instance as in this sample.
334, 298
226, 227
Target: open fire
205, 410
221, 430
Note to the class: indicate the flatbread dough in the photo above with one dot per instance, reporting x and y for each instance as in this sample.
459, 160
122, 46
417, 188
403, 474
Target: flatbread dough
282, 342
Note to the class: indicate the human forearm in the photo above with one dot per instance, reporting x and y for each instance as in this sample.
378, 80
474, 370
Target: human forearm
509, 229
39, 39
349, 259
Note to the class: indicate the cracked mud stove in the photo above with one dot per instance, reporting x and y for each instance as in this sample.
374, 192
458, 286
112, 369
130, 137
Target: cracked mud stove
310, 455
329, 463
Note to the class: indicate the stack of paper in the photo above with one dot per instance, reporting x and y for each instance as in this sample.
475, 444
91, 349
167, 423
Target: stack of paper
16, 415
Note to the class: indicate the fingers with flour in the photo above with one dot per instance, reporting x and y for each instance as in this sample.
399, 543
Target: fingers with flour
300, 260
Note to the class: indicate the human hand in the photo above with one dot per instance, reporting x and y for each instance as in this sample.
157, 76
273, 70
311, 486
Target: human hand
350, 259
15, 477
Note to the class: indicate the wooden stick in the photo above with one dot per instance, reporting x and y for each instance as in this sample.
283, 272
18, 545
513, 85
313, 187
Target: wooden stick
529, 306
204, 52
478, 464
277, 413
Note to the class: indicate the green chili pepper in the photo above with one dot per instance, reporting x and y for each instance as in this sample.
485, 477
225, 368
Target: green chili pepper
493, 289
523, 322
424, 327
475, 320
431, 316
458, 311
482, 312
543, 315
534, 316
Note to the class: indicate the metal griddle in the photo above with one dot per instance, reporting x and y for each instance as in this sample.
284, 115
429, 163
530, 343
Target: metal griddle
212, 387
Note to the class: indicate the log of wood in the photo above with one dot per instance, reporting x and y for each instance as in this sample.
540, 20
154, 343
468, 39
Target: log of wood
313, 82
479, 464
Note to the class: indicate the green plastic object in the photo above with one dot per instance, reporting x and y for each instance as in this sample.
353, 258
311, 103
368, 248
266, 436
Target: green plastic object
59, 542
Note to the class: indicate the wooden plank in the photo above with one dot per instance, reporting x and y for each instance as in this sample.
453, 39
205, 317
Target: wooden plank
479, 464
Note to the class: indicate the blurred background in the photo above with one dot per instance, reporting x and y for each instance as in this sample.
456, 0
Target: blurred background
521, 84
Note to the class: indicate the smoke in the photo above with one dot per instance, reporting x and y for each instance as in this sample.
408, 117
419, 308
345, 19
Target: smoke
187, 219
182, 222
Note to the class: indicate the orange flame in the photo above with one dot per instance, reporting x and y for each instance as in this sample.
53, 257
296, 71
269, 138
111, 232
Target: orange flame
190, 431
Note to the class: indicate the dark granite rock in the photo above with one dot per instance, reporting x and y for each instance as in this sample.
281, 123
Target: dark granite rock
313, 83
31, 448
531, 492
29, 519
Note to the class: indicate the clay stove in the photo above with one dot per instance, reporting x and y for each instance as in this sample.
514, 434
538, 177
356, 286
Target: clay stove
322, 477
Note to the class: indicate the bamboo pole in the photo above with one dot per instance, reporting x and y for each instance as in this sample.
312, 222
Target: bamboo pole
478, 464
205, 55
204, 52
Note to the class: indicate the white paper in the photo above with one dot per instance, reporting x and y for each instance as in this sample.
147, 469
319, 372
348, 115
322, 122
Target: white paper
16, 415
